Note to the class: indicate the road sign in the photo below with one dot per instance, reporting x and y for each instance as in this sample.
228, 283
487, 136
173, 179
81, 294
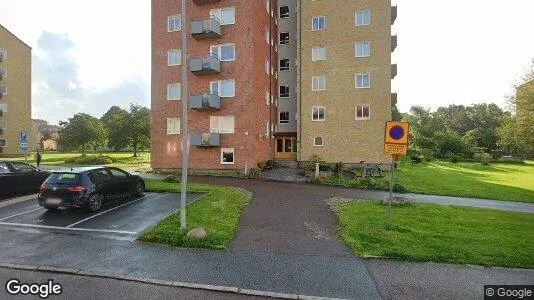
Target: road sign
397, 132
23, 137
24, 146
395, 149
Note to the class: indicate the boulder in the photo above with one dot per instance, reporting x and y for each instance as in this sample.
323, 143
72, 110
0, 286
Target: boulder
197, 233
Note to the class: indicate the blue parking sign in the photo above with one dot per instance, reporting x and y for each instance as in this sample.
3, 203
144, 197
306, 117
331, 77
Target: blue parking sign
23, 141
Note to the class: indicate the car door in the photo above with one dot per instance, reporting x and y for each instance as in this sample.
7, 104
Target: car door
25, 177
7, 179
103, 183
121, 182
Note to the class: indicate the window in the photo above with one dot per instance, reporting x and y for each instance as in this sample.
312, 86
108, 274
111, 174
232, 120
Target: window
363, 112
284, 117
318, 53
3, 108
284, 64
224, 52
267, 36
363, 17
220, 124
284, 91
3, 71
363, 81
318, 23
21, 166
174, 23
284, 38
99, 176
284, 12
174, 91
3, 89
318, 113
3, 166
223, 88
318, 83
267, 67
318, 141
268, 5
174, 57
227, 156
3, 143
267, 96
173, 125
226, 16
363, 49
118, 174
3, 53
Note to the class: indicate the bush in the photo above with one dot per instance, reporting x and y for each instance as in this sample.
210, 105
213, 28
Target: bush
270, 164
337, 168
315, 159
416, 158
254, 173
366, 183
170, 178
90, 160
483, 158
453, 158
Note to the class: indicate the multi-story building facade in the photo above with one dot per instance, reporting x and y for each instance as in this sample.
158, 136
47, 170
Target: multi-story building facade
286, 79
15, 93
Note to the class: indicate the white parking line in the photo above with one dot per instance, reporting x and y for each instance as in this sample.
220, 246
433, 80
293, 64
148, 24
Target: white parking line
29, 211
64, 228
101, 213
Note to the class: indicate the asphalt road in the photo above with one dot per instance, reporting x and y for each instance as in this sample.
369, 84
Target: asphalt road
85, 287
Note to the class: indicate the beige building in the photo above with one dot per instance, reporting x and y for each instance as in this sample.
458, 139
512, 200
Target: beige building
15, 94
345, 79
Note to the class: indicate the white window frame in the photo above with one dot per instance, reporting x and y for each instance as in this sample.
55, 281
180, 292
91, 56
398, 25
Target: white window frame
284, 16
219, 51
179, 53
267, 5
319, 113
288, 39
4, 145
3, 89
362, 12
356, 81
176, 126
3, 71
318, 79
267, 66
318, 22
219, 83
227, 150
362, 106
217, 13
285, 121
288, 89
175, 28
220, 120
315, 50
356, 48
267, 97
315, 140
179, 85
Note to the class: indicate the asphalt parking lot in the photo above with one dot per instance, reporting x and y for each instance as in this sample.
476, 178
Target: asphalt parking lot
126, 219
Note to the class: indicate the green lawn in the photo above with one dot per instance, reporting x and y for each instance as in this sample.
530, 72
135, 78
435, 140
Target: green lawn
428, 232
218, 212
122, 159
499, 181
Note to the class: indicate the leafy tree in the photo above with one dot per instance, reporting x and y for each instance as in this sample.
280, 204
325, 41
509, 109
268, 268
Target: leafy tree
82, 130
116, 120
395, 114
450, 143
424, 130
138, 127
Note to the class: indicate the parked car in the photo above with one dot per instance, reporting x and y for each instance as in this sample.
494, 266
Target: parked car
88, 187
18, 177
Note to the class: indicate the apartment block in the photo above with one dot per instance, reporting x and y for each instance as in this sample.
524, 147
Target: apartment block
15, 93
271, 79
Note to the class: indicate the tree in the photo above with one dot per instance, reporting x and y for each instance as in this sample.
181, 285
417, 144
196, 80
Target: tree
395, 114
116, 120
82, 130
139, 127
424, 130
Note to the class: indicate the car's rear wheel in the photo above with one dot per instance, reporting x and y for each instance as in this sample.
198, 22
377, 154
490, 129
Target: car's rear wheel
95, 202
139, 188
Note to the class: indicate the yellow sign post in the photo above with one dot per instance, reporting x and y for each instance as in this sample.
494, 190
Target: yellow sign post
395, 144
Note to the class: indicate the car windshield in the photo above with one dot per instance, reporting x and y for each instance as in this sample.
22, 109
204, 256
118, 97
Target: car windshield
63, 178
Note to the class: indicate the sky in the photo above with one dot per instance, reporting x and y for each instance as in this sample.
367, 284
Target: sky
91, 54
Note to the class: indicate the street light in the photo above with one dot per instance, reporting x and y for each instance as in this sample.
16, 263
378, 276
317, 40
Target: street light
185, 107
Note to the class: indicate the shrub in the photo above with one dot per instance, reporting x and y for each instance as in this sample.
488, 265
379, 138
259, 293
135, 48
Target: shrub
270, 164
337, 168
454, 158
416, 158
315, 159
170, 178
483, 158
254, 173
90, 160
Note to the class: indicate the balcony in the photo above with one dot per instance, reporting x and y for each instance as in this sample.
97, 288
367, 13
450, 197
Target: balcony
206, 29
206, 65
393, 43
393, 71
202, 2
393, 14
205, 101
205, 139
393, 98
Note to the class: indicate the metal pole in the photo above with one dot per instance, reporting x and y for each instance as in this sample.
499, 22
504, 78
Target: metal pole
185, 107
391, 183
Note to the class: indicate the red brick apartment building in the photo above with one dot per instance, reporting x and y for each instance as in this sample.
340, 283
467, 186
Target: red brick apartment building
231, 47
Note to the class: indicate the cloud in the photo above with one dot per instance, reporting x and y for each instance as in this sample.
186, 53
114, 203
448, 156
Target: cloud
59, 93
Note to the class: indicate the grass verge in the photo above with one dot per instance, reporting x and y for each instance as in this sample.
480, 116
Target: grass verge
439, 233
218, 212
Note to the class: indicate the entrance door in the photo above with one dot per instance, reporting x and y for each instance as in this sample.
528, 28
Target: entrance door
286, 148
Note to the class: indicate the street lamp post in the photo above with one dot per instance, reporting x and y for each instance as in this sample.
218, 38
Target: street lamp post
185, 107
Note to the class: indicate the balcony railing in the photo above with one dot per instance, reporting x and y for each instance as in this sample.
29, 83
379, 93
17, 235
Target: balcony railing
206, 29
393, 42
201, 2
205, 101
393, 70
393, 14
206, 65
205, 139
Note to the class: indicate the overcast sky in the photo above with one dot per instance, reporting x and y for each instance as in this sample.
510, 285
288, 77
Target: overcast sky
91, 54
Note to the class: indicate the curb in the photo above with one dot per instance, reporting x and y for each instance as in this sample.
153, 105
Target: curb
198, 286
17, 200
